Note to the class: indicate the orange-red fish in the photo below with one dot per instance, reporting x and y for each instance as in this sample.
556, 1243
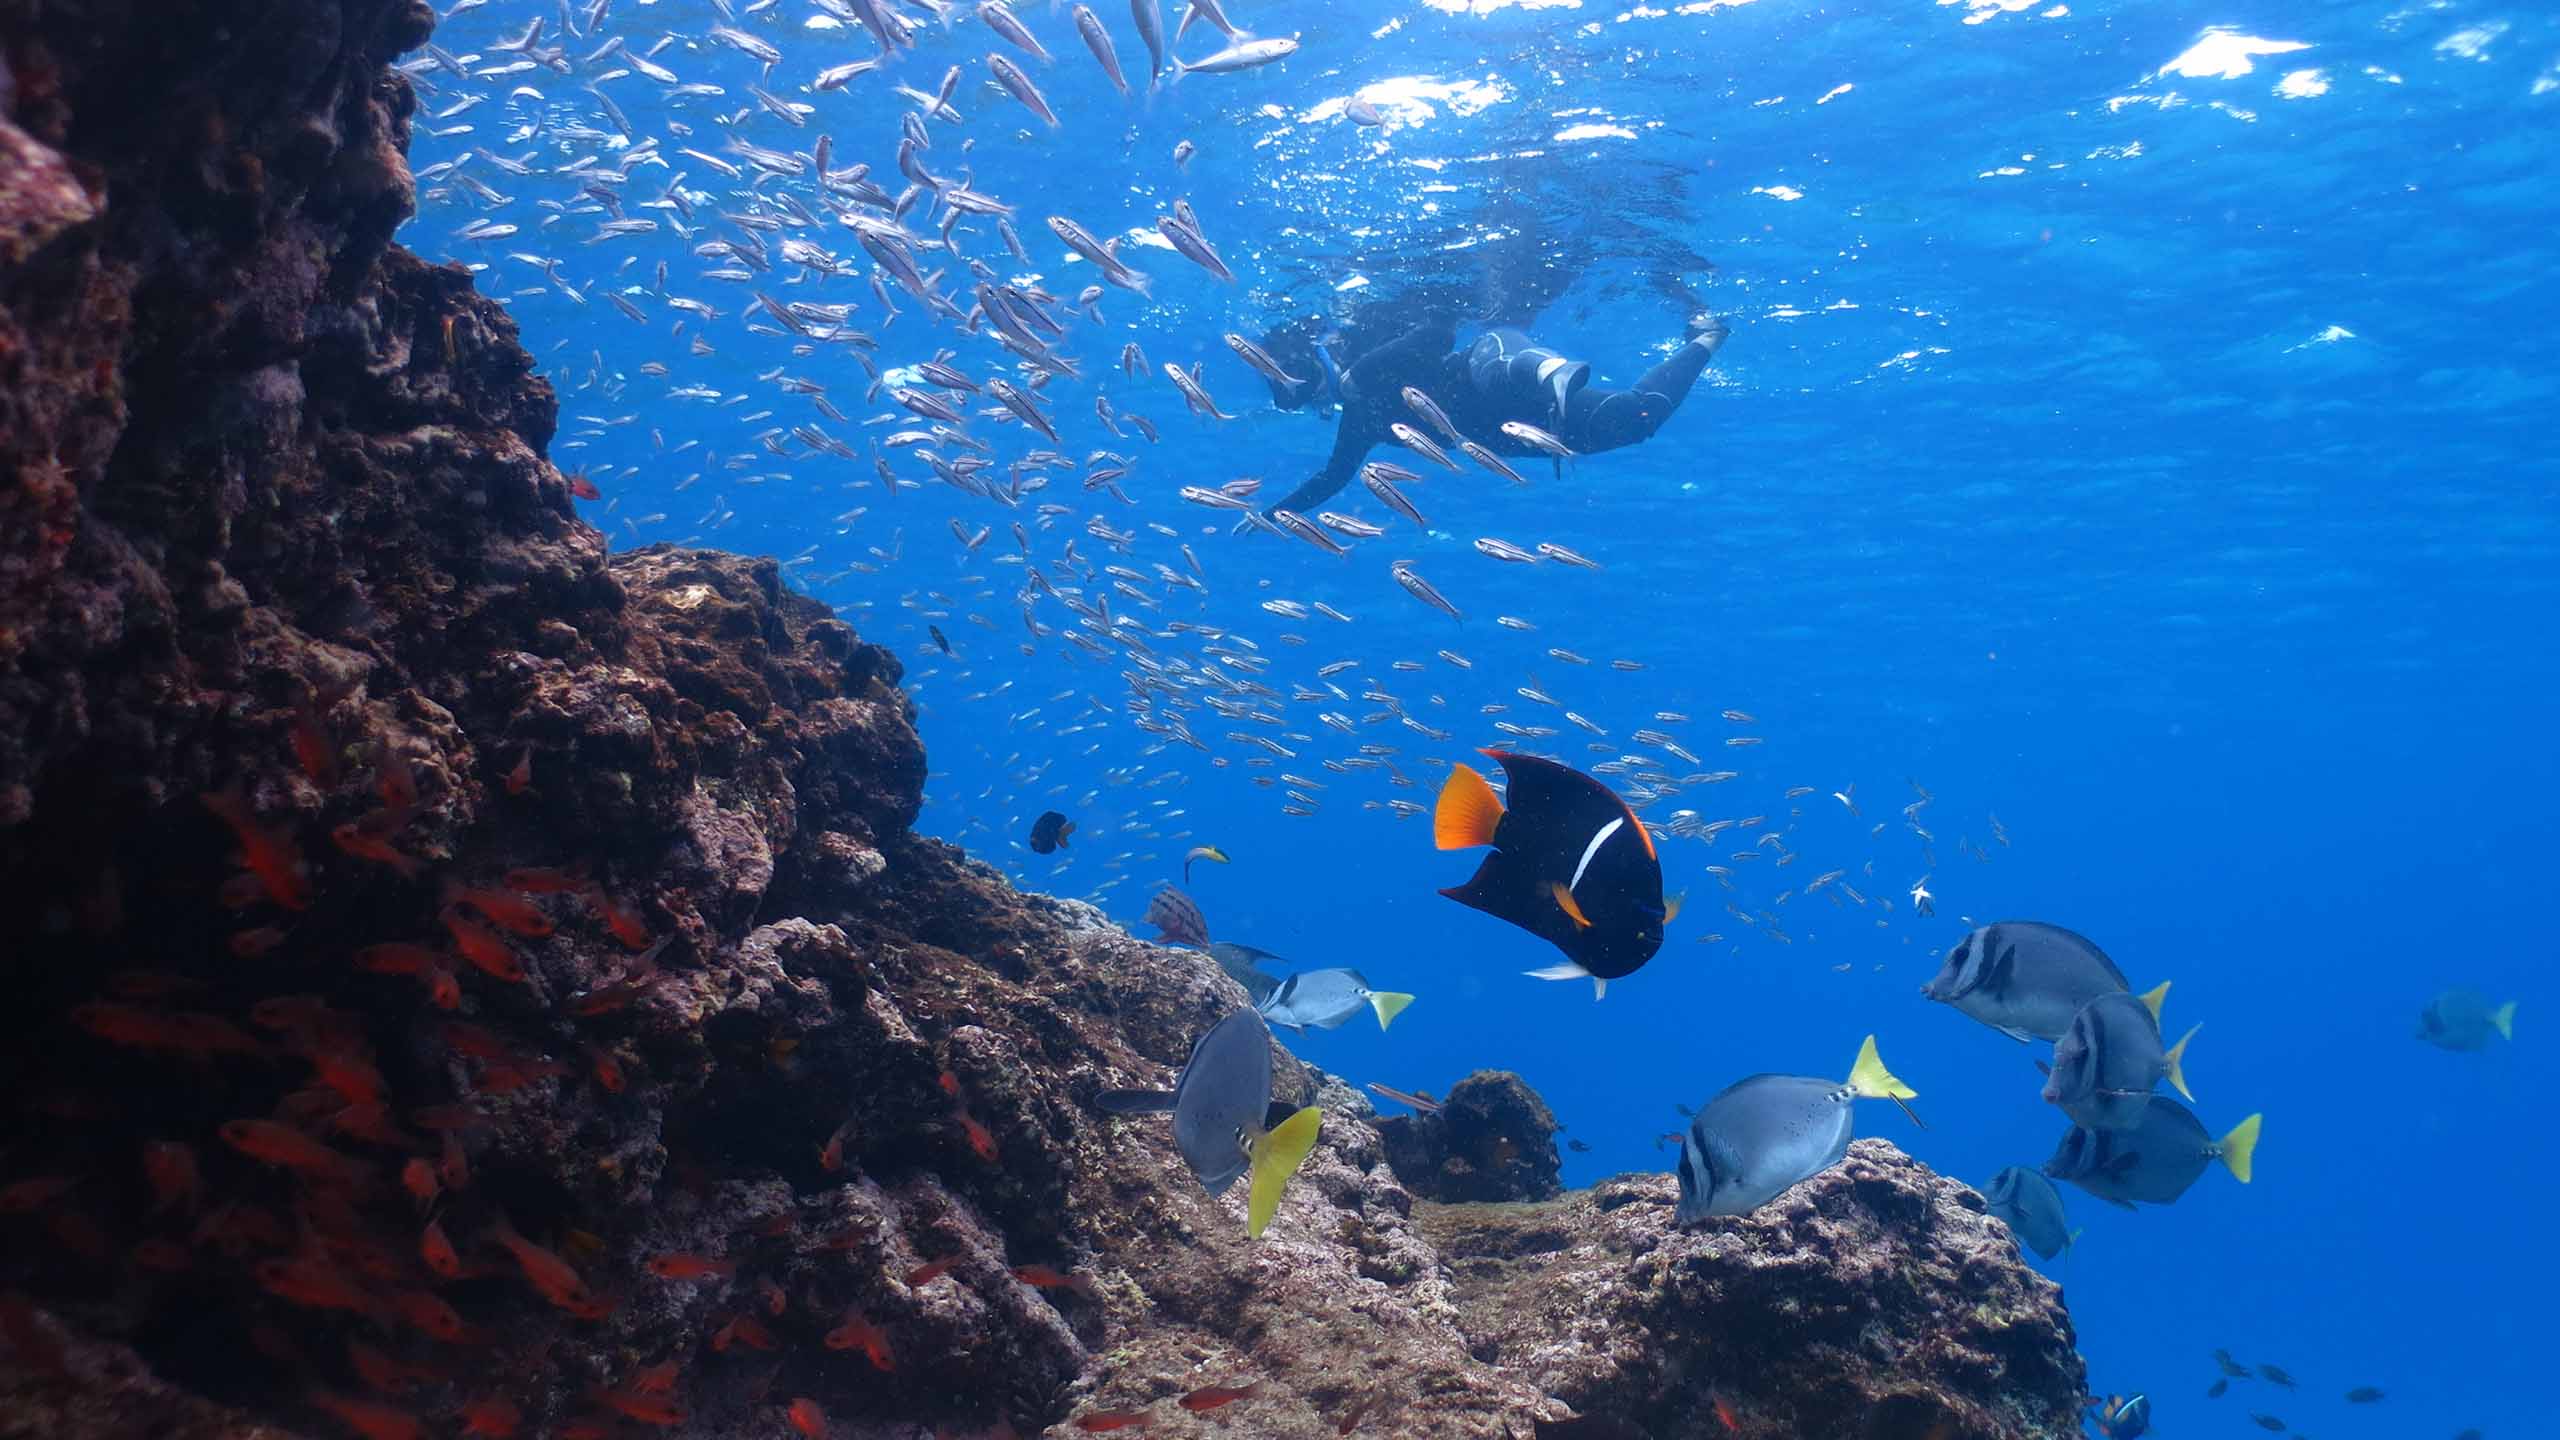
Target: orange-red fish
520, 779
394, 957
547, 881
607, 1068
250, 944
831, 1154
443, 991
237, 1229
808, 1419
394, 780
478, 1042
356, 1081
453, 1167
858, 1333
34, 1346
438, 1252
170, 1166
492, 1417
418, 1177
432, 1316
505, 1077
683, 1265
383, 1372
950, 1084
374, 1422
487, 953
1724, 1413
1049, 1277
1210, 1397
356, 840
240, 891
981, 1139
504, 909
581, 486
312, 748
152, 985
268, 855
282, 1145
1103, 1421
550, 1275
742, 1329
162, 1254
930, 1271
25, 1197
626, 925
314, 1283
646, 1408
773, 1297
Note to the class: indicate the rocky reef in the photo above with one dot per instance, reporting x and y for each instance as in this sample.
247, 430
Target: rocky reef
1492, 1139
463, 981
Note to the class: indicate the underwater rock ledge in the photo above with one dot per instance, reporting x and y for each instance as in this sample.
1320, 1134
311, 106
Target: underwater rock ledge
276, 524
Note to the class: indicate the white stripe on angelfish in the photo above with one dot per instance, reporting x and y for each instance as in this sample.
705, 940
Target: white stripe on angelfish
1593, 849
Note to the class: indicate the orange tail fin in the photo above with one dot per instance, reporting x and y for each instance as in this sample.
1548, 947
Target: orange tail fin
1467, 813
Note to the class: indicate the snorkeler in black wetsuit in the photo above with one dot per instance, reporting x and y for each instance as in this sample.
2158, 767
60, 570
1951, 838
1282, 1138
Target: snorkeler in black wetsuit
1504, 376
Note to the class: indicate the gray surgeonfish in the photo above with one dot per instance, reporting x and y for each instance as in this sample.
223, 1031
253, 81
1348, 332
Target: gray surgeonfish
1762, 1136
1326, 998
2028, 1204
2107, 1064
2463, 1019
1220, 1104
2024, 978
1247, 967
2154, 1162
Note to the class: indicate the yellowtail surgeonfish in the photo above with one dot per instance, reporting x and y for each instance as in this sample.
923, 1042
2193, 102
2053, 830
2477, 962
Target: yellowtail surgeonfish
1763, 1136
1219, 1106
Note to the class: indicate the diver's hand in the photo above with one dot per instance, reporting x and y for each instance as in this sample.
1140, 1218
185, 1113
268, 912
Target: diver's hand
1710, 328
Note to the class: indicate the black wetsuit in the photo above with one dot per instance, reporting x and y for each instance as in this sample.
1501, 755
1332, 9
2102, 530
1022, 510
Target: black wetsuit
1502, 377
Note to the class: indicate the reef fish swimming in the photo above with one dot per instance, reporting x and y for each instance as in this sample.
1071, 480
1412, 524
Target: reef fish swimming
2107, 1064
2028, 1204
2463, 1019
1050, 831
1178, 921
1244, 964
1571, 864
2024, 978
1326, 998
2154, 1162
1219, 1105
1762, 1136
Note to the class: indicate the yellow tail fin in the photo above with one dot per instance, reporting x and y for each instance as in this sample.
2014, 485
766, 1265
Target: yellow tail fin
1467, 812
2504, 1017
1276, 1157
2239, 1146
2155, 997
1389, 1004
1671, 911
2177, 1055
1868, 1077
1564, 898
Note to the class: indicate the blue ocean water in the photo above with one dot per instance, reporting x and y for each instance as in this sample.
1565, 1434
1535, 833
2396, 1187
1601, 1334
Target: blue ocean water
2135, 428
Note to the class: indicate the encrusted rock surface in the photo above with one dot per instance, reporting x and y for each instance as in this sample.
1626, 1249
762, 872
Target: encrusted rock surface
1492, 1139
276, 525
1877, 1301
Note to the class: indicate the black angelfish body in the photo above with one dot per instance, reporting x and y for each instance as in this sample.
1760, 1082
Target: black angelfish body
1571, 864
1050, 831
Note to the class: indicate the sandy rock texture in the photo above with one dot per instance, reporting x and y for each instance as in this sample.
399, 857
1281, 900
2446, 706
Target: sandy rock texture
461, 979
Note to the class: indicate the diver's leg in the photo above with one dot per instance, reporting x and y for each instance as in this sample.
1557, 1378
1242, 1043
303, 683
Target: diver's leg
1607, 419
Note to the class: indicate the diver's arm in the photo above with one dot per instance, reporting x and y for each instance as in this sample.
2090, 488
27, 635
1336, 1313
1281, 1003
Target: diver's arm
1397, 363
1352, 441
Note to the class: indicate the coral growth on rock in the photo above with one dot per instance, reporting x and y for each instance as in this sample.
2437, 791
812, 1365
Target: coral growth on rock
462, 978
1492, 1139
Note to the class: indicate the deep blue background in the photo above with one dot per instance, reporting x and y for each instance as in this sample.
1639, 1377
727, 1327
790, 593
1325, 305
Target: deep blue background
2029, 474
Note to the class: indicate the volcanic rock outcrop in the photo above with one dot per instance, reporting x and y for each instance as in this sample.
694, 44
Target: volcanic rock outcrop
1492, 1139
461, 978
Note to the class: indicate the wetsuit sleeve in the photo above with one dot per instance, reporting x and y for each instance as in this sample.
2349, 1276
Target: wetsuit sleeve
1377, 376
